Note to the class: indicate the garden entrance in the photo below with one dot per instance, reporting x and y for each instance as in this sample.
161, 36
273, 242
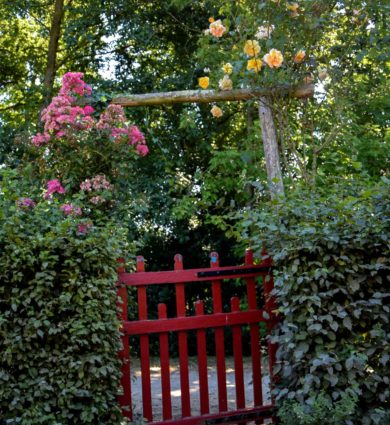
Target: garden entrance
210, 317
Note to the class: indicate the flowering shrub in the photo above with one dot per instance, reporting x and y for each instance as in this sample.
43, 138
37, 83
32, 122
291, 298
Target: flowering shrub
77, 146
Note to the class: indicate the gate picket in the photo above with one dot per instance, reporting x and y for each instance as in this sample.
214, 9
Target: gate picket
202, 362
218, 320
219, 337
164, 363
237, 354
144, 347
183, 345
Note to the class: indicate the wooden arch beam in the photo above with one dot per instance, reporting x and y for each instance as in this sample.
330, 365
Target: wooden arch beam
209, 96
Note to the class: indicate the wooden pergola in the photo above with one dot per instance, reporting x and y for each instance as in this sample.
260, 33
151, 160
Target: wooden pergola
262, 95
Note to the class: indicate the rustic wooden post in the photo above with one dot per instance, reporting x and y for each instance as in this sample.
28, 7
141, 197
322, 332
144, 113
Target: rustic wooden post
271, 149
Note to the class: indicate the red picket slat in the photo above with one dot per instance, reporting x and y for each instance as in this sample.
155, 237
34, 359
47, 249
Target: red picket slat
164, 363
237, 354
219, 337
202, 362
254, 336
183, 345
144, 348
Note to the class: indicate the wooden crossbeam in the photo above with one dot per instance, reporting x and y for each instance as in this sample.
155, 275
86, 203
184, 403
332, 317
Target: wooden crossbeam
209, 96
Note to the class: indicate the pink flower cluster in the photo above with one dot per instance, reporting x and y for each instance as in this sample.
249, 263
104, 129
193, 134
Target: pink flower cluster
98, 182
133, 136
64, 114
72, 83
53, 186
113, 116
97, 200
82, 228
70, 209
26, 203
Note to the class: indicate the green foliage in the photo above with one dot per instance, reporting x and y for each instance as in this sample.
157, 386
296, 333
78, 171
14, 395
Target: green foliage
59, 331
319, 409
331, 281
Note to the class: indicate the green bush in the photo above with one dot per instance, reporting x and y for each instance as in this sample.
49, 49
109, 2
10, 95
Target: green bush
318, 409
59, 332
332, 285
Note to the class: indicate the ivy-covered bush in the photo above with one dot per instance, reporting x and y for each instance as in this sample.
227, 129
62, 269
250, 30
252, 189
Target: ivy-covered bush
331, 256
59, 331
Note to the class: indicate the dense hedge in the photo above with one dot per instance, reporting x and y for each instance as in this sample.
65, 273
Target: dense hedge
59, 333
332, 285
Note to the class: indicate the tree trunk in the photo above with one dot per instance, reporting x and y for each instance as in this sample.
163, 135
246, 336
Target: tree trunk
55, 31
271, 151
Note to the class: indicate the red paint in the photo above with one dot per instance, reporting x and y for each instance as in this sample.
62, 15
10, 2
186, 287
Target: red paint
219, 337
183, 344
164, 363
202, 362
254, 335
145, 357
237, 353
199, 323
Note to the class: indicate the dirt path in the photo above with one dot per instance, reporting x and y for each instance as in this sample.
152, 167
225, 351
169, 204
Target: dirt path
194, 386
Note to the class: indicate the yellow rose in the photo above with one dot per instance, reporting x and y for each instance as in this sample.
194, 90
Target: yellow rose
293, 7
203, 82
211, 20
274, 58
254, 64
216, 111
251, 48
225, 83
299, 56
227, 68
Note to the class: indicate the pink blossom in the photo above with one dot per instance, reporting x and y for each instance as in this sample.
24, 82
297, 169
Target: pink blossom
96, 200
70, 209
142, 150
26, 203
88, 110
113, 116
40, 139
72, 83
98, 182
53, 186
86, 185
135, 135
82, 228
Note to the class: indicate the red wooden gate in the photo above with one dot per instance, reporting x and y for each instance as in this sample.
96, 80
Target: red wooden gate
182, 323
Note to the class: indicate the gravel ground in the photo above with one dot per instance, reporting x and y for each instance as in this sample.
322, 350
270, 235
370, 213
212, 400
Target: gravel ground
194, 386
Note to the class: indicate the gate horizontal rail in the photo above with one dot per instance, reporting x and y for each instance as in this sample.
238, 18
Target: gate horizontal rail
219, 278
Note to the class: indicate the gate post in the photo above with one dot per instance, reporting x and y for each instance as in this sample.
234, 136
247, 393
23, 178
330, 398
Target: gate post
124, 354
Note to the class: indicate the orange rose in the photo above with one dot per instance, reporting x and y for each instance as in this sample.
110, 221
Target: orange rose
299, 56
216, 111
274, 58
217, 29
